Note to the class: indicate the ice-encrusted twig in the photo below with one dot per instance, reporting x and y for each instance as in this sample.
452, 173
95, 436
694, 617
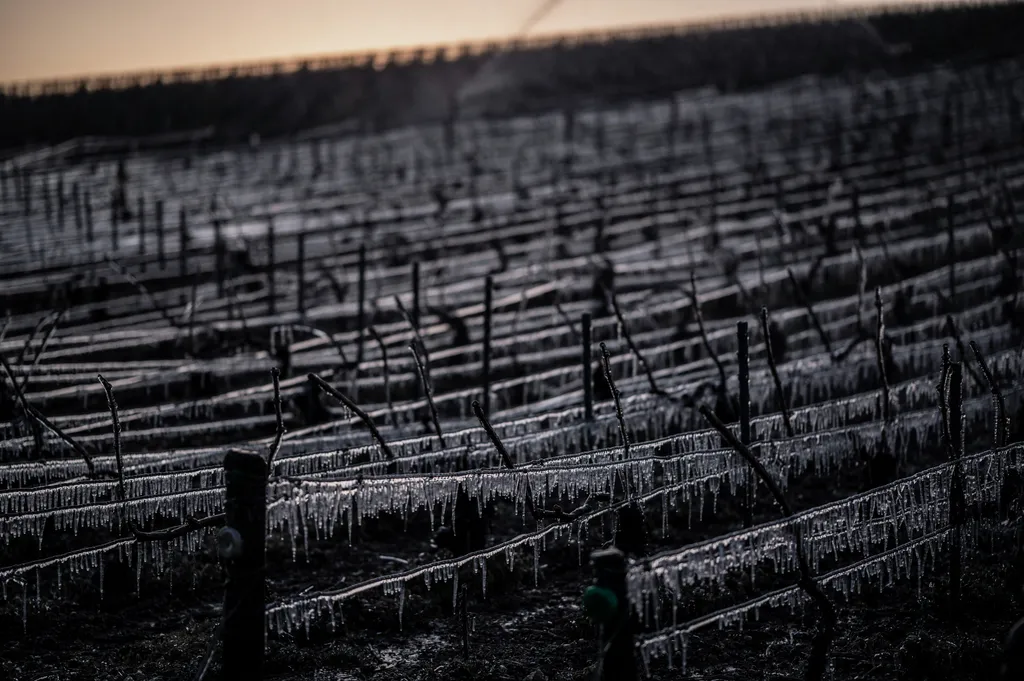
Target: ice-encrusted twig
612, 300
954, 332
278, 612
114, 265
801, 297
997, 397
606, 362
421, 368
42, 347
704, 335
387, 375
823, 640
414, 325
354, 408
191, 524
39, 419
275, 446
666, 640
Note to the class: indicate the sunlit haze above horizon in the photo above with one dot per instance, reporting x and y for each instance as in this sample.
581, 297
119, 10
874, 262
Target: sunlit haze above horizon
60, 38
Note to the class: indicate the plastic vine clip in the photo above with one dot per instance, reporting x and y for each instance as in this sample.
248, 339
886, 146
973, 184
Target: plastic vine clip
600, 604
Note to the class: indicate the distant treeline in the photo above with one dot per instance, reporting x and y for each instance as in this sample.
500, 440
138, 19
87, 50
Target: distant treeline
521, 80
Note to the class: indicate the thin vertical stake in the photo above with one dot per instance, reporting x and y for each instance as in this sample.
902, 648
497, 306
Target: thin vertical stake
588, 379
488, 314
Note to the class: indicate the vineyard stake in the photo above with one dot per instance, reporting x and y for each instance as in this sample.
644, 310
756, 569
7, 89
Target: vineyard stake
114, 221
76, 204
361, 318
302, 275
26, 176
183, 242
87, 205
951, 234
161, 248
488, 315
607, 601
271, 264
60, 201
415, 312
241, 543
588, 379
142, 233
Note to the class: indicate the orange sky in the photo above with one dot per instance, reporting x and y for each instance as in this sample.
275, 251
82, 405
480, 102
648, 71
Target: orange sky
56, 38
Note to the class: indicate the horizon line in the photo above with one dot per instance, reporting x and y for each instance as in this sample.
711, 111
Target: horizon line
448, 51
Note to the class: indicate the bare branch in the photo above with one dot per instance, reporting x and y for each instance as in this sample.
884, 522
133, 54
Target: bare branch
275, 446
387, 375
354, 408
705, 341
116, 422
42, 348
801, 297
807, 581
33, 413
610, 296
954, 332
997, 396
114, 265
425, 380
606, 361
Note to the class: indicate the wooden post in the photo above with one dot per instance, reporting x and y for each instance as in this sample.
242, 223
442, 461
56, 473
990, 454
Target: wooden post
956, 490
607, 602
588, 379
241, 543
114, 218
951, 236
76, 205
26, 192
161, 247
361, 318
488, 301
301, 257
142, 232
218, 255
182, 242
415, 311
60, 201
271, 264
47, 199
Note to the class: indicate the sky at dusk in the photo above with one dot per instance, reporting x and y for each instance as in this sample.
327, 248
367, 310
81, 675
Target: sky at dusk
59, 38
